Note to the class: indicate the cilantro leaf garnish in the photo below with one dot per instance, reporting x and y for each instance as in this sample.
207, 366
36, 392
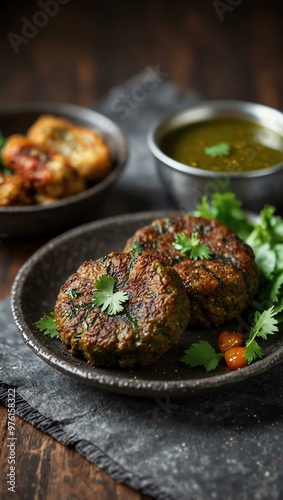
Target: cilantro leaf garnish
276, 288
202, 354
267, 229
265, 236
204, 209
109, 301
266, 260
266, 239
48, 326
264, 324
2, 141
226, 208
220, 149
191, 246
73, 293
3, 169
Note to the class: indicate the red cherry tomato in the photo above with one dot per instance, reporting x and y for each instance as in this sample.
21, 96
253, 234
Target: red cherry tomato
227, 340
235, 358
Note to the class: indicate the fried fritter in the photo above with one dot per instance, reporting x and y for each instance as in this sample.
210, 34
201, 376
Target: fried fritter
154, 316
49, 174
14, 190
219, 288
85, 149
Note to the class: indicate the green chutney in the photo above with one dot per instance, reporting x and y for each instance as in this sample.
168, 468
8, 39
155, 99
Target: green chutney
248, 146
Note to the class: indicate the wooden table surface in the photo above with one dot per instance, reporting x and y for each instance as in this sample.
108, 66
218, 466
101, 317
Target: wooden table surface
224, 50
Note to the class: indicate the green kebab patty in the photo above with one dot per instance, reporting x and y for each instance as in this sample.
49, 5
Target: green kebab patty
152, 318
220, 286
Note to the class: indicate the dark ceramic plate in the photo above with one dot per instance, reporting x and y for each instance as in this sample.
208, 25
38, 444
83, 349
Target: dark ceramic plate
35, 220
34, 293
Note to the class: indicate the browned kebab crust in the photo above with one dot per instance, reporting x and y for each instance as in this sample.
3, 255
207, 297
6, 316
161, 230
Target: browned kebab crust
153, 319
219, 288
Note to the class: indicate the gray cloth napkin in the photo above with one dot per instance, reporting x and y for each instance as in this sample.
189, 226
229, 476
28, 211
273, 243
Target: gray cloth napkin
226, 445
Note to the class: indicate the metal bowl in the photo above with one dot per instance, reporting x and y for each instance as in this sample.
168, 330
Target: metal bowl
37, 220
187, 184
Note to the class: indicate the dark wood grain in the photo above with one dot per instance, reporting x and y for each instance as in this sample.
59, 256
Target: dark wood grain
46, 469
83, 51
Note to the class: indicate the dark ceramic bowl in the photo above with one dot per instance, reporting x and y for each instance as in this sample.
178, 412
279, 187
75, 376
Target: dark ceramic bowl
35, 220
187, 184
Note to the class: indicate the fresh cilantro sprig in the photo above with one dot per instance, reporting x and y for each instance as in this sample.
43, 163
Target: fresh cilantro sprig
2, 141
191, 246
266, 239
220, 149
48, 326
264, 235
203, 354
3, 169
267, 229
109, 301
264, 324
226, 208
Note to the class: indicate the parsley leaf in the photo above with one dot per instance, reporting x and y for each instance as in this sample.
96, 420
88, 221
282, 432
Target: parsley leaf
48, 326
191, 246
110, 301
202, 354
220, 149
264, 324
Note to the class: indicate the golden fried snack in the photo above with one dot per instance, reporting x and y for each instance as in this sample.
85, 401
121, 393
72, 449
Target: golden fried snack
14, 190
50, 175
85, 149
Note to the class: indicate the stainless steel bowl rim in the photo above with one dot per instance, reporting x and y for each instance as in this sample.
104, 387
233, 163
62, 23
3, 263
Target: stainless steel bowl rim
230, 108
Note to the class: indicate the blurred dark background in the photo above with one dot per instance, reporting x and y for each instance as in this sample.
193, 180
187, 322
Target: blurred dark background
76, 50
